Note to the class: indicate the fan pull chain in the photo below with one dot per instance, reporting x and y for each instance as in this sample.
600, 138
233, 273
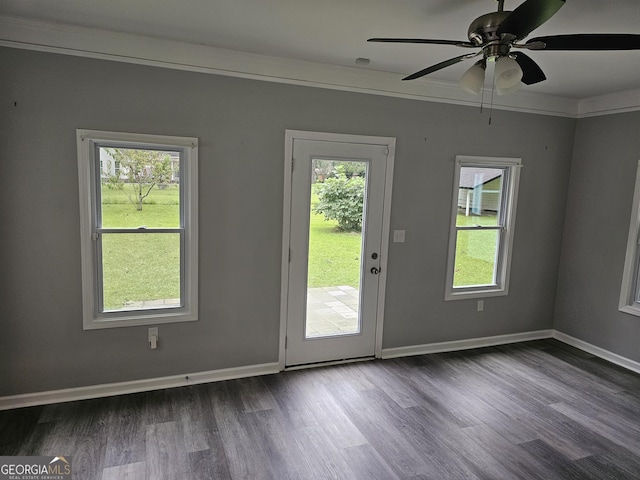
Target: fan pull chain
482, 98
493, 89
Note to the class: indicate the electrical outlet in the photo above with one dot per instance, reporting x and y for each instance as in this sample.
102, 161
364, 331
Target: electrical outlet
153, 332
153, 338
480, 305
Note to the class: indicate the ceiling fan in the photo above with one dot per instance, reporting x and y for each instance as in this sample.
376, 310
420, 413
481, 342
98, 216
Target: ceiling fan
496, 33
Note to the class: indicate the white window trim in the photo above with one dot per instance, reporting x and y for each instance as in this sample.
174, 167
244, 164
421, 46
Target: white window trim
504, 258
630, 280
86, 141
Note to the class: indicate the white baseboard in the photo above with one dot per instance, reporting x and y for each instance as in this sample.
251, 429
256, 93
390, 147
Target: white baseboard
465, 344
514, 338
597, 351
136, 386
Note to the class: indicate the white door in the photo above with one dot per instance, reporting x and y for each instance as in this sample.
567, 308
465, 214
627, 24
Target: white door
335, 276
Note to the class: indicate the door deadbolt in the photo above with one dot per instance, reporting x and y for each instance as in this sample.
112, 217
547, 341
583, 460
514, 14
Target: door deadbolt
375, 271
374, 255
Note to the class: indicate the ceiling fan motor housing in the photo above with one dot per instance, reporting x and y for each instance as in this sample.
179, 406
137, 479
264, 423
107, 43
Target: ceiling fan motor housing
483, 32
484, 28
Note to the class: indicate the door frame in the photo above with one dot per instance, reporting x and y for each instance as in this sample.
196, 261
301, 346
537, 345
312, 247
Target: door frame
290, 136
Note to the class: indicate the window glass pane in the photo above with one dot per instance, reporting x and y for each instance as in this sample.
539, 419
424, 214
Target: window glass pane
476, 254
479, 196
139, 188
140, 270
338, 197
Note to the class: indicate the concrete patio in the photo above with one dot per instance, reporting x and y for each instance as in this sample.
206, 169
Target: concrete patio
332, 311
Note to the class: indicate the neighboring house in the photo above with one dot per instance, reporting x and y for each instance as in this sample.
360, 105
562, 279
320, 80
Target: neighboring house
479, 190
110, 167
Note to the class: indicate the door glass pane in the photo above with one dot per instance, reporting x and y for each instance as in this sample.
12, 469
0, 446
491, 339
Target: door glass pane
139, 188
140, 270
476, 253
335, 248
479, 196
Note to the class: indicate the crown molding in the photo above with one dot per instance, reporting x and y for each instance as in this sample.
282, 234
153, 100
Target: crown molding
619, 102
152, 51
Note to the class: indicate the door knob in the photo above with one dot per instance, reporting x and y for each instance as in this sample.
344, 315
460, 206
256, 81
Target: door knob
375, 270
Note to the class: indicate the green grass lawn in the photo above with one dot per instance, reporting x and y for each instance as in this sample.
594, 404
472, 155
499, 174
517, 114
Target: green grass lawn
140, 267
475, 252
334, 257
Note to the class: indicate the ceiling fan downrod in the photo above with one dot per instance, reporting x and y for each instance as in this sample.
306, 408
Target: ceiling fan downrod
500, 5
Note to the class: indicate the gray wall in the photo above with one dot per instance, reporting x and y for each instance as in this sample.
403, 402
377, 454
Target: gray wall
607, 150
241, 124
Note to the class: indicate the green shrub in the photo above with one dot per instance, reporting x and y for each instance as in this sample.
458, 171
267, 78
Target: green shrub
341, 199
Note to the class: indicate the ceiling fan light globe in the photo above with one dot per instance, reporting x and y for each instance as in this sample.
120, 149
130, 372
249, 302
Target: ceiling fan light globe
506, 91
508, 75
473, 79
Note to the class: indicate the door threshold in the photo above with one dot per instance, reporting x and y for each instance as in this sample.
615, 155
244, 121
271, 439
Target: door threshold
327, 363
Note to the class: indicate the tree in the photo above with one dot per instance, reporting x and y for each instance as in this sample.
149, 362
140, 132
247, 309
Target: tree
144, 170
341, 198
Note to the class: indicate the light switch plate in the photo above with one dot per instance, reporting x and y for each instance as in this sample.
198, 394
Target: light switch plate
398, 236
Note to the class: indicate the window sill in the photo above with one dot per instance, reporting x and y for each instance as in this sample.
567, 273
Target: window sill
475, 293
631, 310
138, 320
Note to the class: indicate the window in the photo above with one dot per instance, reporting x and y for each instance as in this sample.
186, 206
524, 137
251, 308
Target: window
630, 292
482, 220
139, 230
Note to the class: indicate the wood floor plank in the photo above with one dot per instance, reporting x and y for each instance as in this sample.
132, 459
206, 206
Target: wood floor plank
245, 456
126, 431
17, 429
369, 417
520, 463
321, 456
367, 464
618, 430
440, 457
275, 440
206, 465
255, 395
35, 443
88, 455
193, 412
557, 465
608, 467
294, 397
478, 458
392, 377
165, 451
130, 471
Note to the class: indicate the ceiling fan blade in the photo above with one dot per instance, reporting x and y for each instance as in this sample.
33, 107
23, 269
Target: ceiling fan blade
458, 43
531, 72
529, 16
439, 66
590, 41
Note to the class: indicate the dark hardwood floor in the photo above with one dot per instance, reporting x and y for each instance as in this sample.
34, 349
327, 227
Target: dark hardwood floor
535, 410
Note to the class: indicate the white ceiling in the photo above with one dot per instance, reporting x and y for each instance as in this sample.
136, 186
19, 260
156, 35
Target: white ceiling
334, 32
